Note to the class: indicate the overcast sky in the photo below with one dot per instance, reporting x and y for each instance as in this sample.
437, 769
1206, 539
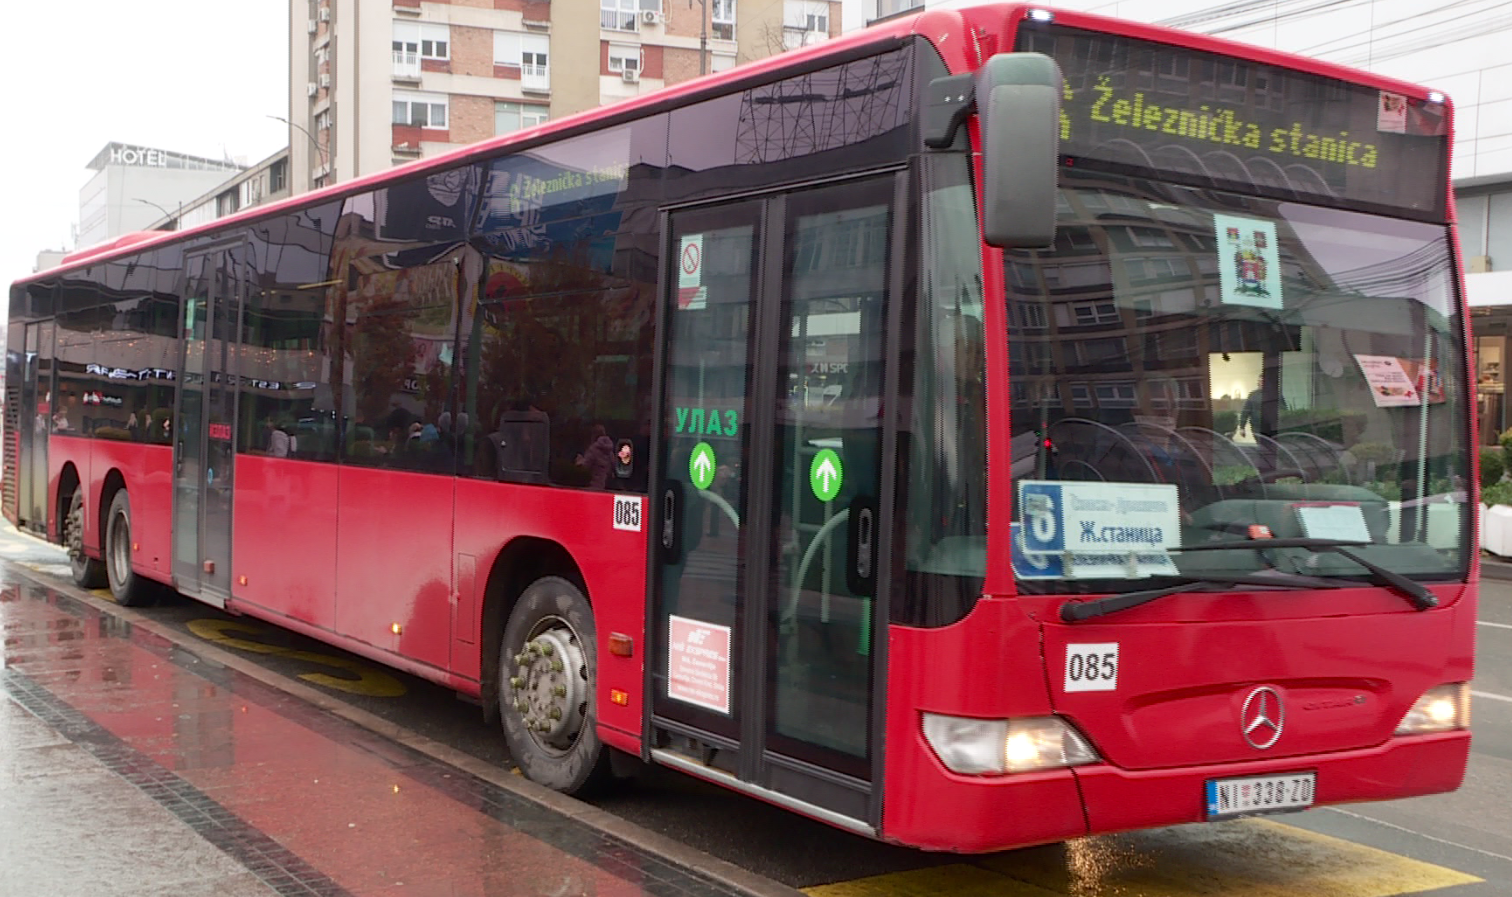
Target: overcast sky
193, 76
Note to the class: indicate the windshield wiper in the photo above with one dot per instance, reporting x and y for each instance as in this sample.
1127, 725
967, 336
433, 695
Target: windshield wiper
1112, 604
1415, 592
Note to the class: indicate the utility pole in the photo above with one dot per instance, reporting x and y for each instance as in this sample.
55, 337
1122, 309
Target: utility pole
703, 35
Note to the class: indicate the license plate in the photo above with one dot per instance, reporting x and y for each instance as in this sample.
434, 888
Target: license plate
1260, 794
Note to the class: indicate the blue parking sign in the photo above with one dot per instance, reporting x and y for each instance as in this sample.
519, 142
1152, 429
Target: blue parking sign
1043, 518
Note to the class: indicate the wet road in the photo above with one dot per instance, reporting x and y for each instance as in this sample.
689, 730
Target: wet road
1457, 844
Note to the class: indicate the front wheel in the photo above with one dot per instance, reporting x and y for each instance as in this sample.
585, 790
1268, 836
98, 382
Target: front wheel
88, 573
129, 589
547, 667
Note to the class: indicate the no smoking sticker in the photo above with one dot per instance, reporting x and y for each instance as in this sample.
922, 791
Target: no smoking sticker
691, 293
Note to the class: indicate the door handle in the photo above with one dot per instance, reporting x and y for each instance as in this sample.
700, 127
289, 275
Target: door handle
671, 532
861, 547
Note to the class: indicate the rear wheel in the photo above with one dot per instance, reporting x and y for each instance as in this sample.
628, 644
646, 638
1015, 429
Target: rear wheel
129, 589
88, 573
547, 668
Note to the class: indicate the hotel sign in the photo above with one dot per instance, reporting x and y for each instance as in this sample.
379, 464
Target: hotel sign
138, 156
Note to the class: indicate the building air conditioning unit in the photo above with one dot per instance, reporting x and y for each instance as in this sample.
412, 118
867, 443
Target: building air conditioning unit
631, 76
650, 16
325, 14
311, 88
325, 80
312, 26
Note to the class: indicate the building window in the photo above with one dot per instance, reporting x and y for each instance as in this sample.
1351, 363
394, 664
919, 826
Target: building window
227, 203
620, 15
528, 53
1089, 313
804, 22
624, 59
278, 175
511, 117
724, 19
429, 39
420, 110
415, 41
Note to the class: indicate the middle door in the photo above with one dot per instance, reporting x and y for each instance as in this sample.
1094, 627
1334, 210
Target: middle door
771, 472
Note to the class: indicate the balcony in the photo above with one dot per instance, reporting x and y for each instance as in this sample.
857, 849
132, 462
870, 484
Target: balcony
406, 65
535, 78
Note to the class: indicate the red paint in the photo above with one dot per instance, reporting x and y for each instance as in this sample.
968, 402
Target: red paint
284, 538
147, 472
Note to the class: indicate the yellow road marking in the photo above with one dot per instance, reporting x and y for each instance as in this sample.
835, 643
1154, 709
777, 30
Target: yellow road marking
370, 682
1244, 858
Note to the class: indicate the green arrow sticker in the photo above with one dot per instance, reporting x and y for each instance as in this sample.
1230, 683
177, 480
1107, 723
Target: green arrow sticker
701, 465
826, 474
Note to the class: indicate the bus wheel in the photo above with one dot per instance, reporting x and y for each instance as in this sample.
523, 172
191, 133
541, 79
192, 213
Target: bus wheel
88, 573
129, 589
546, 688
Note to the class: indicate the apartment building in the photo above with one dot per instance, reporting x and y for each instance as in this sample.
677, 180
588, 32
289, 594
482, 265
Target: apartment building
373, 85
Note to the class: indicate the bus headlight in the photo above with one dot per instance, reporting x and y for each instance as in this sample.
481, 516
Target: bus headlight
986, 746
1440, 709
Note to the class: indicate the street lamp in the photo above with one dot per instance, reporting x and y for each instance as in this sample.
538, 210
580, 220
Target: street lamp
320, 152
167, 215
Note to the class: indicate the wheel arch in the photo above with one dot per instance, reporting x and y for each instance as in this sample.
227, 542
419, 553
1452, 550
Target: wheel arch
519, 563
115, 481
69, 482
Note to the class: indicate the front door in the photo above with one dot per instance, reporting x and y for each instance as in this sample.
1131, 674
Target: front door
770, 478
204, 451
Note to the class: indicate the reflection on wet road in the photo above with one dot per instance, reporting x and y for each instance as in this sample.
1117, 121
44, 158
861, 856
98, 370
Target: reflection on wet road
118, 737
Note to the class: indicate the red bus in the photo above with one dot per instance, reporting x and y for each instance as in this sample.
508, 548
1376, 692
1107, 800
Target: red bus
987, 428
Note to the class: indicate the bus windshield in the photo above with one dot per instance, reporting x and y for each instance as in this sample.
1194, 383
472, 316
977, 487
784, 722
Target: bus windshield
1189, 366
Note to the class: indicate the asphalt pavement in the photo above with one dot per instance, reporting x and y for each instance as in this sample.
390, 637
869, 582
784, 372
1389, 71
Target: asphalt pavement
179, 750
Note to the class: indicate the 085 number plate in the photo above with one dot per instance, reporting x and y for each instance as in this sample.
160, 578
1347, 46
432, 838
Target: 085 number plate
1260, 794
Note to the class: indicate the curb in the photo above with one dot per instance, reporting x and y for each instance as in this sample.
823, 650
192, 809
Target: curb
1495, 568
674, 852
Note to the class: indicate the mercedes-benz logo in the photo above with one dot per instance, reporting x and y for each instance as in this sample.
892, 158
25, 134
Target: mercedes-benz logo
1261, 718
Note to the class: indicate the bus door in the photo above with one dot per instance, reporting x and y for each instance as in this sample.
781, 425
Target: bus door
204, 426
769, 478
37, 411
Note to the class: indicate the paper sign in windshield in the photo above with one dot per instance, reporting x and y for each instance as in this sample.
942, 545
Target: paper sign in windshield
1249, 261
1345, 522
1396, 382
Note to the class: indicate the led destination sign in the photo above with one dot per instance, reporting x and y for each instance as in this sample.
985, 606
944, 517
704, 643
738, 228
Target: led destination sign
1245, 125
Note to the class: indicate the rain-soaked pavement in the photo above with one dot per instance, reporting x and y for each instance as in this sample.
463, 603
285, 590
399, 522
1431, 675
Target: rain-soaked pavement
168, 753
132, 766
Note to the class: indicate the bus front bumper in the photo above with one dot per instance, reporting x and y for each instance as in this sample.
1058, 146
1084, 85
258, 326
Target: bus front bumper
941, 810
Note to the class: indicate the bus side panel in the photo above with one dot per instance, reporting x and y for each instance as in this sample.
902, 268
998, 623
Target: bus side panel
987, 665
394, 561
63, 451
147, 471
285, 532
612, 560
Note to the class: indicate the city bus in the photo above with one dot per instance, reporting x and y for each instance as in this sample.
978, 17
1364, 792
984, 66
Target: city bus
991, 427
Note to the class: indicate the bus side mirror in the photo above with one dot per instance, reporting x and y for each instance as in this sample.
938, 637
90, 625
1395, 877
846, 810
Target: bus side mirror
1018, 104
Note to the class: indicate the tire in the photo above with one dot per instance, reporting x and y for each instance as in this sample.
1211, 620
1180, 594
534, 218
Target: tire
88, 573
129, 589
547, 676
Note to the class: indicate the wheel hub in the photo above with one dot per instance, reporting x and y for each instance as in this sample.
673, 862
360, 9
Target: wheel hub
549, 686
